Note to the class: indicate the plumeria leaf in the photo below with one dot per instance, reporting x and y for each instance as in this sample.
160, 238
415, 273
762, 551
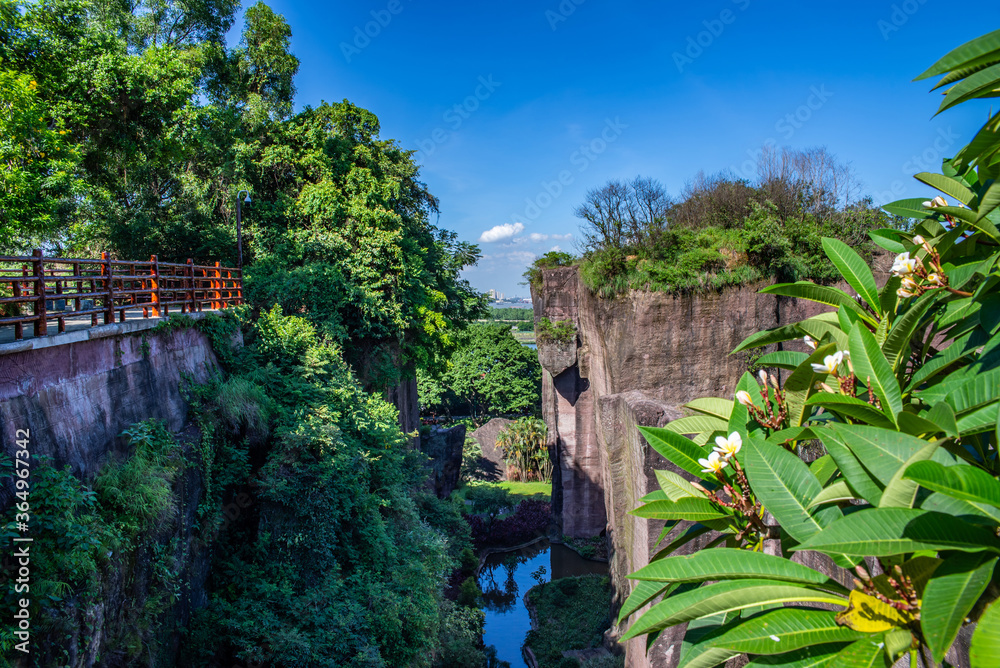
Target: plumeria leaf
871, 368
675, 486
864, 653
974, 513
869, 614
909, 208
697, 424
783, 359
851, 407
943, 415
854, 270
949, 596
972, 51
821, 294
642, 593
961, 482
901, 492
884, 532
723, 597
794, 628
819, 656
677, 450
688, 508
720, 408
786, 487
949, 186
985, 647
882, 451
835, 493
888, 239
824, 468
800, 384
861, 481
728, 564
897, 344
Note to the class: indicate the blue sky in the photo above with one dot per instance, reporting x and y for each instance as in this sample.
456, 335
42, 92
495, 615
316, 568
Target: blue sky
518, 108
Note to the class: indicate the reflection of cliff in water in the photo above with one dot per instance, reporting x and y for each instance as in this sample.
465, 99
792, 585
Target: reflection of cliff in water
507, 576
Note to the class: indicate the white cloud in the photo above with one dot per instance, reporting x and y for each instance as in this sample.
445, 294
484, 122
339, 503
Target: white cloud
501, 232
538, 238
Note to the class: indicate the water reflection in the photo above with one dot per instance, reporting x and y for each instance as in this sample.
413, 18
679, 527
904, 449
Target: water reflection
507, 576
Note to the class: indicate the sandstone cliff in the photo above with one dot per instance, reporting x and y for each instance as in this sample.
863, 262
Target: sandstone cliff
636, 360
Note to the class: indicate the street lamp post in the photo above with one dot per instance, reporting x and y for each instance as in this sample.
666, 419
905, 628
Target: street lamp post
239, 224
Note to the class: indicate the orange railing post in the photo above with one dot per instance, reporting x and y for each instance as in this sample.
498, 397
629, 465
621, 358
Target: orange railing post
41, 322
109, 289
218, 286
154, 284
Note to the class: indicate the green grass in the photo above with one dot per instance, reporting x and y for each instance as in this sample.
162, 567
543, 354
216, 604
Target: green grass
528, 489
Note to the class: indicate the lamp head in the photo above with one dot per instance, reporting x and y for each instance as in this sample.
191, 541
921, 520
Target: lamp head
247, 200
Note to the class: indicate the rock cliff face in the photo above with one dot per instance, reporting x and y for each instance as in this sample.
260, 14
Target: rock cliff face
638, 358
75, 394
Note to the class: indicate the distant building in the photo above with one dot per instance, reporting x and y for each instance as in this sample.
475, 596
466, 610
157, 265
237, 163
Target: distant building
492, 293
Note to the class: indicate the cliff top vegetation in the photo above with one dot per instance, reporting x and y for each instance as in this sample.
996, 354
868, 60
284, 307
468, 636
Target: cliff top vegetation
722, 230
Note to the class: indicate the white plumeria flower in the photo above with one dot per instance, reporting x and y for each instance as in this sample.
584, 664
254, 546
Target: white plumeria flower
728, 447
810, 341
904, 265
763, 376
905, 294
830, 363
928, 204
744, 398
936, 279
939, 201
714, 463
919, 240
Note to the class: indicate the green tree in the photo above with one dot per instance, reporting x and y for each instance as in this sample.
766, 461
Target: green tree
489, 374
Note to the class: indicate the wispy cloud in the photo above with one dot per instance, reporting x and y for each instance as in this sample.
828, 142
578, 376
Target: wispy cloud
538, 238
501, 232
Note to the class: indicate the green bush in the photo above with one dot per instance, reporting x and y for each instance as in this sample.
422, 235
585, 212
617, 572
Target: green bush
573, 614
550, 260
561, 332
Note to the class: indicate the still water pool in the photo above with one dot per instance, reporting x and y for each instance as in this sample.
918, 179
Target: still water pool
507, 576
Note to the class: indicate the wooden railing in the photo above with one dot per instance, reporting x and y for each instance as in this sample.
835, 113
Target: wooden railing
36, 290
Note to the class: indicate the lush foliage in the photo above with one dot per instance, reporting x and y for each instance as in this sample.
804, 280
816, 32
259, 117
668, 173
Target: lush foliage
561, 332
549, 260
525, 450
573, 614
901, 386
528, 521
511, 314
131, 128
338, 563
725, 231
489, 374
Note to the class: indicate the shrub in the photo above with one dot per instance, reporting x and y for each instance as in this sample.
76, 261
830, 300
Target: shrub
573, 614
530, 520
561, 332
525, 451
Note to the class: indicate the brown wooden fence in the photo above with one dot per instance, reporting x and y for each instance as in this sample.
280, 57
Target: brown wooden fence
36, 290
